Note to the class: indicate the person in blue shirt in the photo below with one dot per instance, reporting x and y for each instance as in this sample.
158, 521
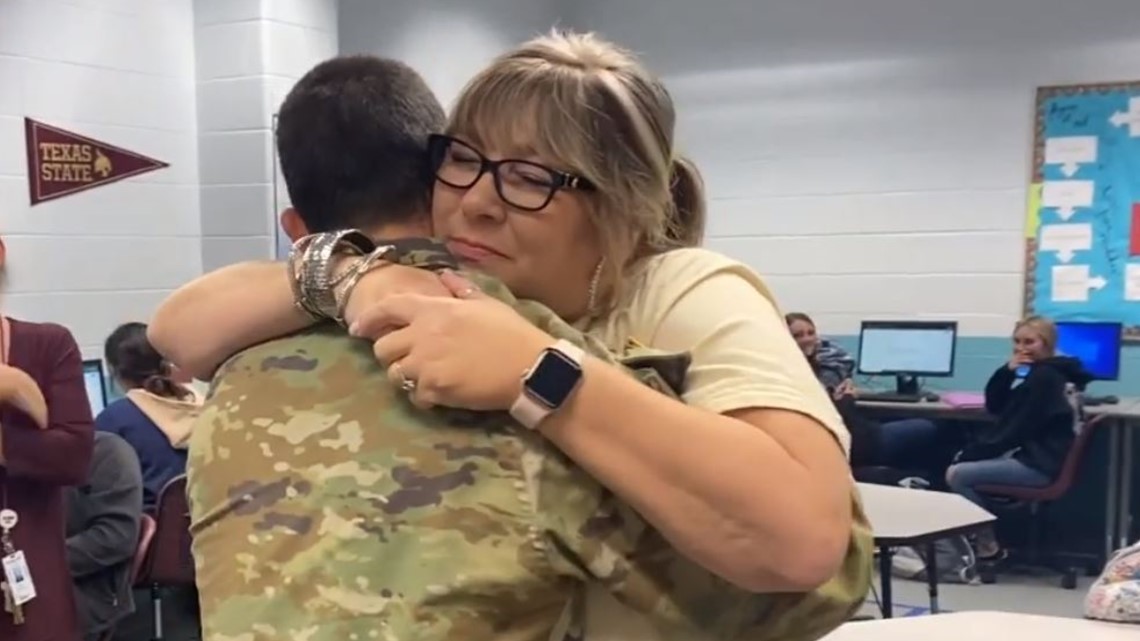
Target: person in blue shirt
156, 413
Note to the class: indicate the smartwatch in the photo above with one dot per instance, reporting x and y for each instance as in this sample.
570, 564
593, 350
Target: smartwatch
555, 375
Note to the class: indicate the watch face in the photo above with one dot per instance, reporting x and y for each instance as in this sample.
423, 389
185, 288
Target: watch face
553, 379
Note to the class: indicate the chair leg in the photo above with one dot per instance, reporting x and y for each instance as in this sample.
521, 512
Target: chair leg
156, 603
1036, 516
1068, 564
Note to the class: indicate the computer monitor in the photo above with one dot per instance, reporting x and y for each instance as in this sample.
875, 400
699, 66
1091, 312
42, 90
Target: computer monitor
1095, 345
96, 385
907, 350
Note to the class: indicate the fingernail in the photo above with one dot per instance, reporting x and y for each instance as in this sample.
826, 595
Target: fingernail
352, 329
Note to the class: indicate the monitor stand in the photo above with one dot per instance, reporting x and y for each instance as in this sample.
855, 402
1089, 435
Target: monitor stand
907, 385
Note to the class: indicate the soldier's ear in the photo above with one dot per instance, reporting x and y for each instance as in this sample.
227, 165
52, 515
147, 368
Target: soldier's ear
292, 224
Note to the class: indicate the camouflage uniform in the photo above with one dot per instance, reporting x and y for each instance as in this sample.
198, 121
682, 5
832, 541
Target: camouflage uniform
326, 507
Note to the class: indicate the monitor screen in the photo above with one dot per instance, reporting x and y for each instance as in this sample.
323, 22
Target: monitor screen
907, 347
1096, 345
96, 386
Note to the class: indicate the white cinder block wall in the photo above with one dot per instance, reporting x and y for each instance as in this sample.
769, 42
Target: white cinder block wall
122, 72
869, 157
249, 53
872, 158
448, 41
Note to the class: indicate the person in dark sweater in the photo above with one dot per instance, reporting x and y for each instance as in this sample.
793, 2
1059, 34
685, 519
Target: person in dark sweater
103, 518
156, 415
1035, 422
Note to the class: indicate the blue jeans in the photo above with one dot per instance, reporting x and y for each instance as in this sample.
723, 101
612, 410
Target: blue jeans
964, 477
906, 443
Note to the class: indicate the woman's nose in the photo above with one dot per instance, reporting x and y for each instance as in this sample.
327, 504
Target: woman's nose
482, 200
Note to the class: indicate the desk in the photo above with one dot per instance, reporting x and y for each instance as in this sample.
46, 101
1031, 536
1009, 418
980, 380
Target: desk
905, 517
1124, 420
984, 626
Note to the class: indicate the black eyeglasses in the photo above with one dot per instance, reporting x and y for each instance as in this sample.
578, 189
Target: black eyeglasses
522, 184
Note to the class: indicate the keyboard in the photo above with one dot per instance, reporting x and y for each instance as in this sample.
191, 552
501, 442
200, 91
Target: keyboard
895, 397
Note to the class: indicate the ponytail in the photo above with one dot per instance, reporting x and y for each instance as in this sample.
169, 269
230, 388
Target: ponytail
164, 386
138, 364
688, 215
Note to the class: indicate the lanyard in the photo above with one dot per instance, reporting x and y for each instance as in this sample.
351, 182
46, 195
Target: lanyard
5, 528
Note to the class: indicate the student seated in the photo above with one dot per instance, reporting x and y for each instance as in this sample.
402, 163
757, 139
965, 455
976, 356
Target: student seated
1036, 421
156, 416
903, 444
103, 518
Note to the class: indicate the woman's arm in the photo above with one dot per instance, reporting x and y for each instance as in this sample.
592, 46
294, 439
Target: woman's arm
221, 313
60, 453
747, 478
759, 493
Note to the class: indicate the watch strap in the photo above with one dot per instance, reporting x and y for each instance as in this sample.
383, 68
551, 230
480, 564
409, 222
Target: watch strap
526, 409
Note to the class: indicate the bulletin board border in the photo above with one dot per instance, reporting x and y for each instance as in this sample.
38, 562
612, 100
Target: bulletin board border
1131, 333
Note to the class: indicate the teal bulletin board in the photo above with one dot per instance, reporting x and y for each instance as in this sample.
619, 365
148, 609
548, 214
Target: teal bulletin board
1082, 256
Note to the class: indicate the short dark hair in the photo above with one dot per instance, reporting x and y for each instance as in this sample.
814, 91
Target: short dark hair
352, 139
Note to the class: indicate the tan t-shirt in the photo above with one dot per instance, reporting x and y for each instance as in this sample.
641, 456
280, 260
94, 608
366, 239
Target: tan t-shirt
723, 314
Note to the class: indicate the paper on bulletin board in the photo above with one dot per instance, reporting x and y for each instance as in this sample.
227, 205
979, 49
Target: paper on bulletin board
1033, 211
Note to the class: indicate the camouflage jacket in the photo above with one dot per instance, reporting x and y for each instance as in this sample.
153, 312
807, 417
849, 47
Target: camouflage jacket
325, 507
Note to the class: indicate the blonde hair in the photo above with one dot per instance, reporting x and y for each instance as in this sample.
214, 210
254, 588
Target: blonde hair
1045, 329
589, 105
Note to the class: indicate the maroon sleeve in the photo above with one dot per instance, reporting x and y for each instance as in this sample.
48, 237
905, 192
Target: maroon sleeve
60, 454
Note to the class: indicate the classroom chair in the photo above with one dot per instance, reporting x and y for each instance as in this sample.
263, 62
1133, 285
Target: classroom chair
1039, 500
169, 563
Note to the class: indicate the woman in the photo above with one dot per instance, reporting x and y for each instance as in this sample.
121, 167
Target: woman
908, 444
832, 365
1035, 425
45, 445
157, 413
580, 226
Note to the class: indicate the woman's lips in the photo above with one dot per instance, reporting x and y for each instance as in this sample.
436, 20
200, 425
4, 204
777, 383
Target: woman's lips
471, 252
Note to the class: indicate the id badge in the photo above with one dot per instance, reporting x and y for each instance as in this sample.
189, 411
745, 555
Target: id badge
19, 578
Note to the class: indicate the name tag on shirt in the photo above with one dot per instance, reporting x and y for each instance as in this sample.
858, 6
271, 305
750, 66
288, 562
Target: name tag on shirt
19, 578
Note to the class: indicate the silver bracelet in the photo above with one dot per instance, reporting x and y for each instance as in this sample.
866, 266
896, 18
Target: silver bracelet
362, 267
318, 282
294, 266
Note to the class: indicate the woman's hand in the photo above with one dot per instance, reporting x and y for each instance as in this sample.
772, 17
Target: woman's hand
468, 352
1018, 360
19, 390
846, 388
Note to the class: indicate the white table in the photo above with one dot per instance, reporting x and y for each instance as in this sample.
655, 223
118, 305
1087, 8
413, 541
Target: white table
984, 626
905, 517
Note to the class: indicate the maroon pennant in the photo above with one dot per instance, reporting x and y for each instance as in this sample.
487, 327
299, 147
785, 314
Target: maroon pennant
61, 163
